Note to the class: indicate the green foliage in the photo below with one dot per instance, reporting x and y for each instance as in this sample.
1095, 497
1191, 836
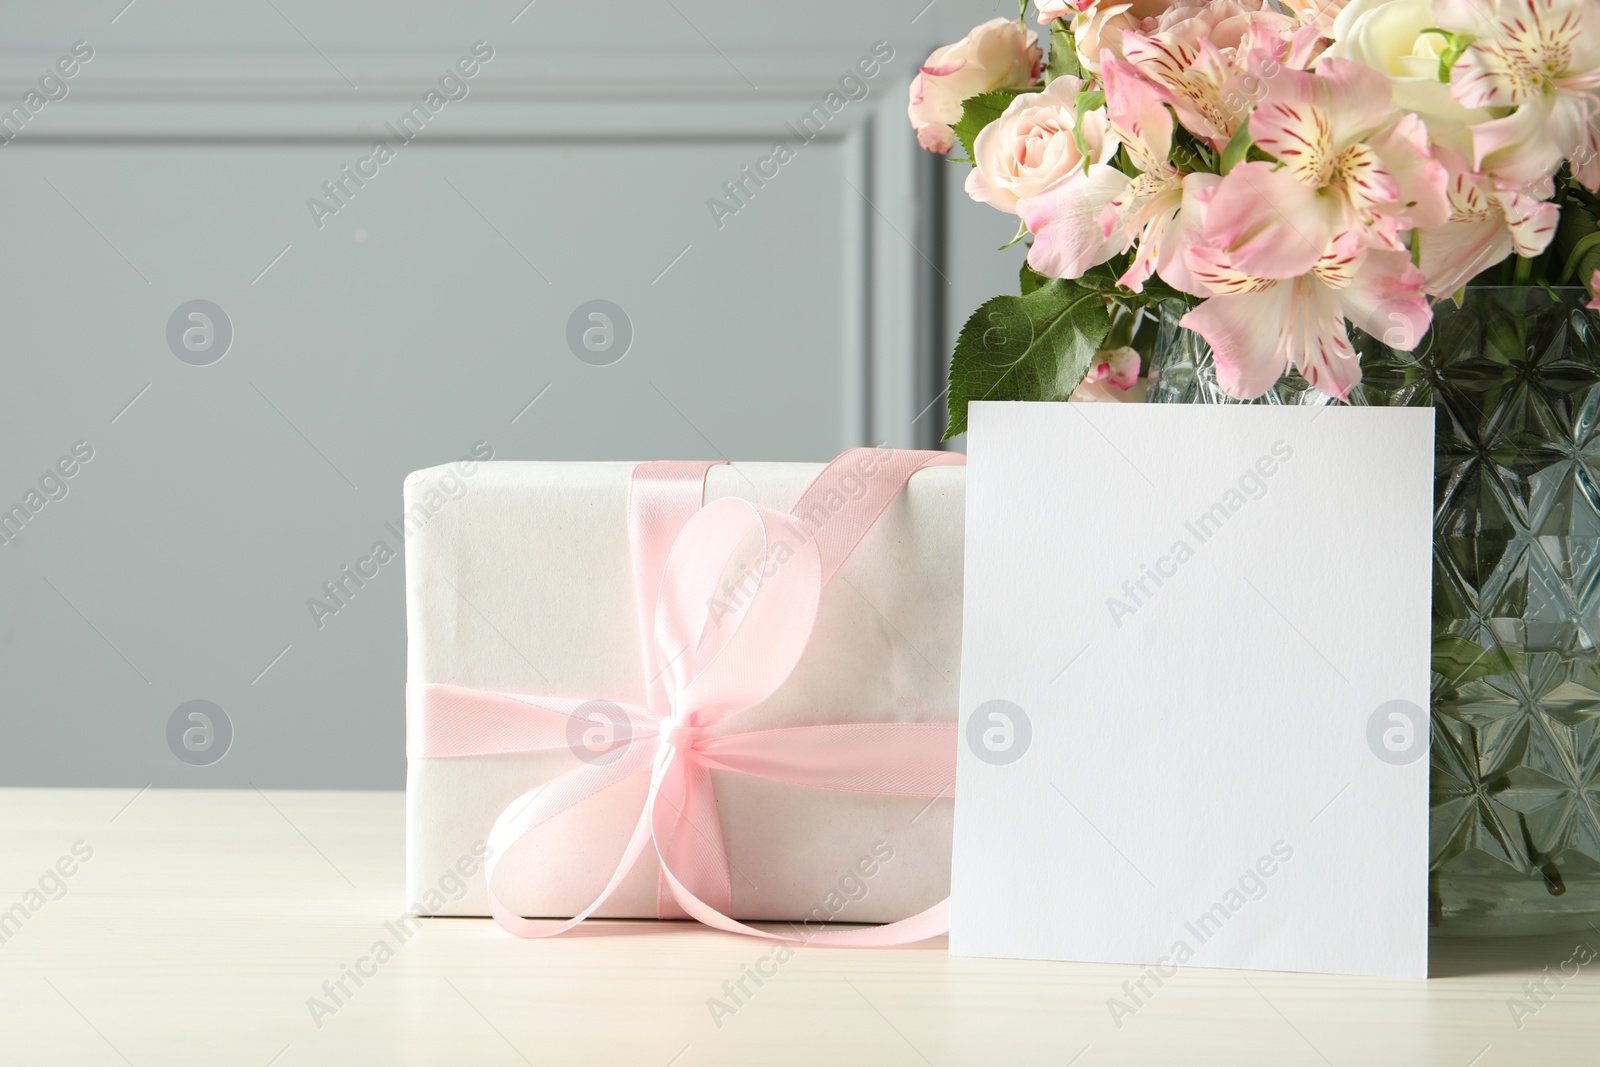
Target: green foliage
1237, 149
1031, 279
1573, 254
1577, 241
1063, 53
1088, 100
978, 111
1037, 346
1189, 152
1454, 45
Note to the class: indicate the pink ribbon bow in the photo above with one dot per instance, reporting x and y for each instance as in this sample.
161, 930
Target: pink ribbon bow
709, 655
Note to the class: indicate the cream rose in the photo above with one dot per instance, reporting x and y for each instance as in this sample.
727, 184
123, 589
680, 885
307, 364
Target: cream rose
999, 54
1387, 36
1100, 26
1030, 147
1318, 13
1050, 10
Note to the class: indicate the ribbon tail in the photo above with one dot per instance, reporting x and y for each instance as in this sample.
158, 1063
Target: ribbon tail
537, 807
688, 835
930, 923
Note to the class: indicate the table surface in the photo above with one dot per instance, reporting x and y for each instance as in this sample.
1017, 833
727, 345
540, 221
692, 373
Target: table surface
196, 927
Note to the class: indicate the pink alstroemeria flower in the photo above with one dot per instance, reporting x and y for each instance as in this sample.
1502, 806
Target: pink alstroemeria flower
1164, 204
1258, 327
1344, 164
1541, 57
1486, 225
1208, 58
1594, 288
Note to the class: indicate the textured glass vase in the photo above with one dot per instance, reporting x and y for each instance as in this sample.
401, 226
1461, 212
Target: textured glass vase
1514, 376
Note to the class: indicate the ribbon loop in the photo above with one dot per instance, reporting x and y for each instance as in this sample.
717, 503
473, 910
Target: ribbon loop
736, 609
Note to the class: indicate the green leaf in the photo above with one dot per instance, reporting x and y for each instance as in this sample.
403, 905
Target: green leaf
1458, 43
1031, 279
1461, 661
1063, 53
1102, 277
1574, 253
1088, 100
978, 111
1189, 153
1157, 291
1237, 149
1584, 252
1033, 347
1022, 231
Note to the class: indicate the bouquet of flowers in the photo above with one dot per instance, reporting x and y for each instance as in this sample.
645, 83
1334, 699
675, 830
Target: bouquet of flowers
1287, 171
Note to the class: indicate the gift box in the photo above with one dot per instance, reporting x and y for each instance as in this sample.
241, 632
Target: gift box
523, 600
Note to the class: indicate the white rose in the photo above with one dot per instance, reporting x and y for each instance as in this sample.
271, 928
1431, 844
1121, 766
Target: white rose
996, 55
1387, 36
1030, 146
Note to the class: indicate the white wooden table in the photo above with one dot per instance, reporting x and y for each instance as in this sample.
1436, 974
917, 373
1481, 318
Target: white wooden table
204, 922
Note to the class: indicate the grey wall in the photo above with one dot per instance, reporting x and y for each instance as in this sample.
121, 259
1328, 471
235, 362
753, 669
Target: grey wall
428, 314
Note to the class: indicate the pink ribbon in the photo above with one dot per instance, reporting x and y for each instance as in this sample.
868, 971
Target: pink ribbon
727, 596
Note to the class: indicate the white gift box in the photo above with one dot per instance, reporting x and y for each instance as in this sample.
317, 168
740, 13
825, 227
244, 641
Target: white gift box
519, 580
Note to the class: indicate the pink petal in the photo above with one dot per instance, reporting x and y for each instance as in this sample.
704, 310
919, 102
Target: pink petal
1422, 181
1461, 16
1532, 222
936, 137
1483, 77
1572, 125
1118, 367
1358, 98
1293, 126
1594, 287
1274, 225
1457, 252
1244, 332
1316, 342
1518, 148
1138, 113
1368, 182
1385, 298
1183, 232
1065, 222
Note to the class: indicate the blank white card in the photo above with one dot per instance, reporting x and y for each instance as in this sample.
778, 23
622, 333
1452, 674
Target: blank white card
1194, 686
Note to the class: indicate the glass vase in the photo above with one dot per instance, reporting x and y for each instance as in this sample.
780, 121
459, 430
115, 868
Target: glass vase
1514, 377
